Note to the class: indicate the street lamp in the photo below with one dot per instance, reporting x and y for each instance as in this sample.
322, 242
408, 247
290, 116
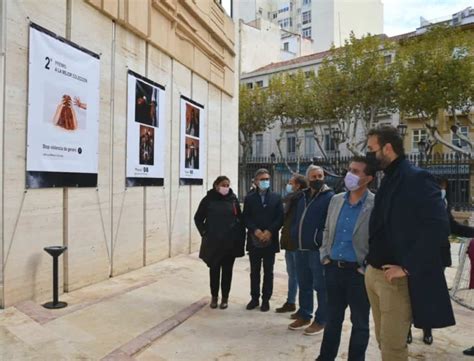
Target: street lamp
272, 160
454, 128
402, 129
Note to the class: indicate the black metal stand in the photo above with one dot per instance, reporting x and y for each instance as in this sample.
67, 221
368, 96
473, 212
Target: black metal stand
55, 252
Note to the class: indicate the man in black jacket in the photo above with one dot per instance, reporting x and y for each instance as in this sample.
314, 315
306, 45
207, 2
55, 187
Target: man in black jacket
404, 277
263, 217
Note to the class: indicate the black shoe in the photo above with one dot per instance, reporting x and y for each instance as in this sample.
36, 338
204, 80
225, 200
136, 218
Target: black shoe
469, 351
427, 337
409, 337
287, 307
265, 306
214, 302
224, 303
253, 304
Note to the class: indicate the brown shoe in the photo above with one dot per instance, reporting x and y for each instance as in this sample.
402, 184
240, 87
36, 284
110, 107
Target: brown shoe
294, 316
298, 324
287, 307
313, 329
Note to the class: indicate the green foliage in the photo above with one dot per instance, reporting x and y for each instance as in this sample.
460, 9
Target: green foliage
254, 115
436, 71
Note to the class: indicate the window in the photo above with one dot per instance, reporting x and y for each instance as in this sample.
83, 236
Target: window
458, 142
309, 143
306, 17
274, 15
387, 59
306, 32
227, 6
259, 145
290, 144
306, 2
259, 84
249, 85
286, 46
418, 135
285, 23
329, 145
284, 9
307, 74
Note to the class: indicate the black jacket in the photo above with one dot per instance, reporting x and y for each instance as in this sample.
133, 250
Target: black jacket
219, 222
415, 227
264, 216
290, 203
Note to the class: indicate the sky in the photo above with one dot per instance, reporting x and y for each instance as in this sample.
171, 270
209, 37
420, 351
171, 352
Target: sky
402, 16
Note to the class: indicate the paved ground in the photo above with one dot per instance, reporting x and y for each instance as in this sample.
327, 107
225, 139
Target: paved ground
161, 313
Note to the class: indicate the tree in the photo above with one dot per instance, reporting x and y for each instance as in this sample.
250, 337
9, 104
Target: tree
355, 85
435, 73
287, 98
254, 116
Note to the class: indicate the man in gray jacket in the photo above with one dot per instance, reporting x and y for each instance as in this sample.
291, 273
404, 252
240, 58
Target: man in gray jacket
345, 246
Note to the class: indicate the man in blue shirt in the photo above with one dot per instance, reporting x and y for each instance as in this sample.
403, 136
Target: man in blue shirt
345, 246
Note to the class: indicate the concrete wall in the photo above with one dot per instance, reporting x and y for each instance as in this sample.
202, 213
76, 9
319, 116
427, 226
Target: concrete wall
110, 230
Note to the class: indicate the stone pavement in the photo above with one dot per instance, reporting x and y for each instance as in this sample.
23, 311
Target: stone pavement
161, 313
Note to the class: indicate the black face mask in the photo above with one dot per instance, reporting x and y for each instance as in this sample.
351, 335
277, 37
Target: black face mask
372, 159
316, 184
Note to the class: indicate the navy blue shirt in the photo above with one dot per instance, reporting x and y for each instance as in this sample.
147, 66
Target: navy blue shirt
342, 248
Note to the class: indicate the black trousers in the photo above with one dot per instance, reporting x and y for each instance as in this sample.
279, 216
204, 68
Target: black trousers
224, 266
258, 257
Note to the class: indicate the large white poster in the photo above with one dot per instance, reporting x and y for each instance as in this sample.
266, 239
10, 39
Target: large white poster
63, 112
145, 132
193, 142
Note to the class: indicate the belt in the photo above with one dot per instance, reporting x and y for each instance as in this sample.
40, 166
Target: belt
344, 264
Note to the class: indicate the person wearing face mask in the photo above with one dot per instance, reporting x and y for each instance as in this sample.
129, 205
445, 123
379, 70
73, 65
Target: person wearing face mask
219, 221
456, 229
345, 246
294, 190
404, 277
307, 229
263, 216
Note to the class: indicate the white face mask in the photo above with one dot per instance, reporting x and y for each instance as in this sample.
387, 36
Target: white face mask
289, 188
223, 190
352, 181
443, 193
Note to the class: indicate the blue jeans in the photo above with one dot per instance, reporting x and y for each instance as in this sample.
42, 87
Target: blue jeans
290, 258
310, 273
345, 287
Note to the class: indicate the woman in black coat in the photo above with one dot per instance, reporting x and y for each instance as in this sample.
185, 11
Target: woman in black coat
456, 229
218, 220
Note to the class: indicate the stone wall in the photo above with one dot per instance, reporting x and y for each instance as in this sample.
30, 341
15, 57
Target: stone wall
185, 45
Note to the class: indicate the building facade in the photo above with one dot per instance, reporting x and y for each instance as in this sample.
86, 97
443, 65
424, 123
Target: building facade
326, 22
188, 47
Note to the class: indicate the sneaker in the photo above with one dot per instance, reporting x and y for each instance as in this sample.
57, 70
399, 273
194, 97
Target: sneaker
427, 337
287, 307
213, 302
298, 324
294, 316
469, 351
313, 329
265, 306
253, 304
224, 303
409, 337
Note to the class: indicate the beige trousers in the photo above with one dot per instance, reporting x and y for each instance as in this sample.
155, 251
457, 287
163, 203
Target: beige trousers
391, 310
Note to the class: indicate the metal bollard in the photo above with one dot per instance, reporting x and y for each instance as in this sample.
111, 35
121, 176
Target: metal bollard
55, 252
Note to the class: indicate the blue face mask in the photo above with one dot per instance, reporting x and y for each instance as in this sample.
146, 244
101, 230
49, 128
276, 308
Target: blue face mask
289, 188
264, 185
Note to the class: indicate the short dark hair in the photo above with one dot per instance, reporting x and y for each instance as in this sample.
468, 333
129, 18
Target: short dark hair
261, 171
387, 134
219, 179
369, 166
300, 180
